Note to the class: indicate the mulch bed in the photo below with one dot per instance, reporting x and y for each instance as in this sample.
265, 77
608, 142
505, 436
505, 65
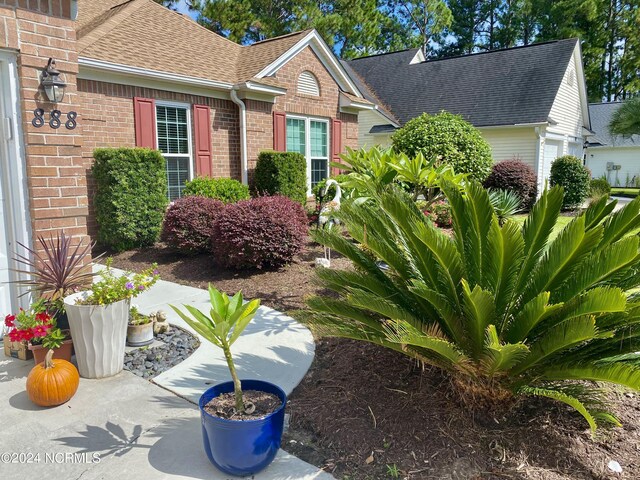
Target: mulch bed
363, 412
284, 289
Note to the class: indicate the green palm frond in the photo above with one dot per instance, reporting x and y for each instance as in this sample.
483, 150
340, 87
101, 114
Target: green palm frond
503, 305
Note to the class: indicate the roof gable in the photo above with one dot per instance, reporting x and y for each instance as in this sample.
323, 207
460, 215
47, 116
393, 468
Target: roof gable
502, 87
121, 34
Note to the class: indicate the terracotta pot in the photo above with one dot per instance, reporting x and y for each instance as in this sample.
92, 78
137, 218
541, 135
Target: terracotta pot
140, 335
99, 334
64, 352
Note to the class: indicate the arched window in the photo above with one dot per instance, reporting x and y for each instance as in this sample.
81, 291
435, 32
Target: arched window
308, 84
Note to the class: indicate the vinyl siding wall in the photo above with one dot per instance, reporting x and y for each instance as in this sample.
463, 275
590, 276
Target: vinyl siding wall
366, 120
510, 143
627, 157
567, 109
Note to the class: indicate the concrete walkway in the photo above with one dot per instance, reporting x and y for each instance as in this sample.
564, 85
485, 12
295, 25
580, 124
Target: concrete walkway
127, 426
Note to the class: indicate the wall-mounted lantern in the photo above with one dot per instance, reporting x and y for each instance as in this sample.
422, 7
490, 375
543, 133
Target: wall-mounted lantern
51, 82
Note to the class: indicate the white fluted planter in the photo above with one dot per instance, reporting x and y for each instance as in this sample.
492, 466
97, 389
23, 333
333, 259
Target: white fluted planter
99, 335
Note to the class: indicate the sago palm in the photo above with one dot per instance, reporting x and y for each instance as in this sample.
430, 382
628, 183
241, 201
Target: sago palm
505, 309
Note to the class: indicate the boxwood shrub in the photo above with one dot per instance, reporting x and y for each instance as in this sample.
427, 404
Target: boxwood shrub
226, 190
281, 173
131, 196
264, 232
188, 224
568, 172
598, 188
449, 138
517, 177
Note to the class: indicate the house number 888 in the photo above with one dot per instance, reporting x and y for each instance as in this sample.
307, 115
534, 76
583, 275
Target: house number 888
55, 119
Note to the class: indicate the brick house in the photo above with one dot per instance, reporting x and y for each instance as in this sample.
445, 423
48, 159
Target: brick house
208, 104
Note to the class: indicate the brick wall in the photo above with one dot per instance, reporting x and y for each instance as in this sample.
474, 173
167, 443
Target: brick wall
107, 112
259, 114
55, 171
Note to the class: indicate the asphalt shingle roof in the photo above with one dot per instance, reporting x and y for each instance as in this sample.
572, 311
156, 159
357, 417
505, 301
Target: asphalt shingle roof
142, 33
600, 117
501, 87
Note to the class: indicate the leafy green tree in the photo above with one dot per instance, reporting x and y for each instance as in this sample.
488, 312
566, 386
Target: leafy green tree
626, 120
505, 310
427, 18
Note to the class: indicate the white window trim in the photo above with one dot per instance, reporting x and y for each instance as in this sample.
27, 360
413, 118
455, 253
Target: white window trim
307, 144
187, 107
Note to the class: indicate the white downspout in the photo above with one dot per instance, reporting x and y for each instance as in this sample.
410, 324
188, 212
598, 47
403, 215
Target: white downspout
243, 136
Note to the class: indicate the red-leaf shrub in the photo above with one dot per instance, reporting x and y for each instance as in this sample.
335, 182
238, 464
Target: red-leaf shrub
517, 177
264, 232
188, 223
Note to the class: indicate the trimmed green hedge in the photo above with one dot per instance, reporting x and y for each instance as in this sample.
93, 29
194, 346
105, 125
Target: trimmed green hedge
568, 172
131, 196
282, 173
226, 190
450, 139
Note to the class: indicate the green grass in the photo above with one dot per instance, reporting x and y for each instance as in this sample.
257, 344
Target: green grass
625, 192
560, 224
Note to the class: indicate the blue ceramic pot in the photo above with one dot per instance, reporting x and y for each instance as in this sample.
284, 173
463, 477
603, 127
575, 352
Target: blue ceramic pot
242, 447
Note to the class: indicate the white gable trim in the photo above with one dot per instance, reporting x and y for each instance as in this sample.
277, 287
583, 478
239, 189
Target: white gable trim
582, 86
324, 53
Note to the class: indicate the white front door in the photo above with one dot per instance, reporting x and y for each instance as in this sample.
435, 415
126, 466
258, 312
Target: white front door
14, 207
552, 150
5, 291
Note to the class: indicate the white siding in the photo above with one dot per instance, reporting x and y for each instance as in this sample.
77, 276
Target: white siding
627, 157
366, 120
567, 106
512, 142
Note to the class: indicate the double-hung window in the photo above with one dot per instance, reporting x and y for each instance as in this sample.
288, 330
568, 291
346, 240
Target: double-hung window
173, 125
310, 137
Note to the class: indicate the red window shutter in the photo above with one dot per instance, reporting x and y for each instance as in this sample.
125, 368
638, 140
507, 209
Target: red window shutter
203, 150
144, 113
280, 131
336, 144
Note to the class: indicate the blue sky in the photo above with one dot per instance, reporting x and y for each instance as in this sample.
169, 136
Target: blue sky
182, 8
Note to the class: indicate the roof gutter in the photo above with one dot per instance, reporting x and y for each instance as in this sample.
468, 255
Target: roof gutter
153, 74
244, 168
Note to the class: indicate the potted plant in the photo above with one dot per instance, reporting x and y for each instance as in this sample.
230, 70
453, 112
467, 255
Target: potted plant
242, 420
36, 330
54, 271
139, 329
98, 319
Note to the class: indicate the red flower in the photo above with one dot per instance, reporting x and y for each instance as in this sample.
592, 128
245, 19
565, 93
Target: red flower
39, 331
15, 335
8, 320
43, 317
26, 334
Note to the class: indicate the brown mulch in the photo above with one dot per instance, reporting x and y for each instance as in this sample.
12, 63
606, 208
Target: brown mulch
257, 405
365, 413
283, 289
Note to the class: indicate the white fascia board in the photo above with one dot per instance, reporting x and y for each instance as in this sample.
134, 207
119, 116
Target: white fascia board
320, 48
258, 87
582, 86
348, 103
88, 67
514, 125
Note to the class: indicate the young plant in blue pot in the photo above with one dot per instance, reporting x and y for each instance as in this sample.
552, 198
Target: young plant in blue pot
242, 420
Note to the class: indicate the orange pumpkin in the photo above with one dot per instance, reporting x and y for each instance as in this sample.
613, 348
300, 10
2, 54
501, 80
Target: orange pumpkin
52, 382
